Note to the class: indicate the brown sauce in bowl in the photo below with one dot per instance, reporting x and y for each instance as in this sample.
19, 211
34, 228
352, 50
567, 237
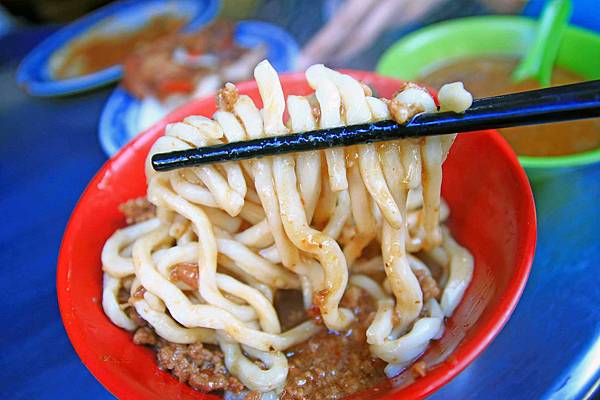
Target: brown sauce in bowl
491, 76
96, 51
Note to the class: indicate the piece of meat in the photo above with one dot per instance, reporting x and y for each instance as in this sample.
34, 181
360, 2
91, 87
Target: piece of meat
123, 295
145, 336
419, 369
137, 210
253, 396
227, 97
135, 317
202, 367
186, 273
429, 286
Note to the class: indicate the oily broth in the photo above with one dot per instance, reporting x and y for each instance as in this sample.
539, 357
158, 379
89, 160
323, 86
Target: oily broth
97, 51
491, 76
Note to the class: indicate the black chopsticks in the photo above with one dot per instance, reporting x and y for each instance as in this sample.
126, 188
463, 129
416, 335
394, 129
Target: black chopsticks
561, 103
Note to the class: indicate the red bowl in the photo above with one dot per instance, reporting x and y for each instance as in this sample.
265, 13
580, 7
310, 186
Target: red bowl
492, 214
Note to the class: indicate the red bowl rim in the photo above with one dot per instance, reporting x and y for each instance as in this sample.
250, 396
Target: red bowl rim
422, 387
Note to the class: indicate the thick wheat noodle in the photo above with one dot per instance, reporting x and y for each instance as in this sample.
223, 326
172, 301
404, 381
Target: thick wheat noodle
264, 309
394, 173
234, 132
225, 196
390, 155
411, 161
312, 241
260, 268
304, 267
254, 377
170, 330
357, 111
330, 104
191, 191
308, 169
235, 178
160, 194
368, 266
245, 254
412, 343
113, 262
154, 302
187, 236
197, 194
292, 211
431, 154
366, 225
372, 174
252, 212
233, 269
382, 323
460, 273
179, 226
257, 226
404, 284
198, 131
211, 131
222, 220
258, 235
326, 202
110, 290
227, 264
189, 254
272, 254
207, 316
175, 139
340, 215
247, 112
228, 193
266, 290
308, 164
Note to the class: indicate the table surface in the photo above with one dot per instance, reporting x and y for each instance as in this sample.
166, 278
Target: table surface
550, 348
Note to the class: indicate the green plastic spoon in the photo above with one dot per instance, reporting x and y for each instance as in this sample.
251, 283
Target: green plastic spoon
539, 60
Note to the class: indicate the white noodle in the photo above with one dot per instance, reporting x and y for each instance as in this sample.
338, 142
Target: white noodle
253, 227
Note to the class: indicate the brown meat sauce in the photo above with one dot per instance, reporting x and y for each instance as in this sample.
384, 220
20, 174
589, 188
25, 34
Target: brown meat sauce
200, 366
330, 365
334, 365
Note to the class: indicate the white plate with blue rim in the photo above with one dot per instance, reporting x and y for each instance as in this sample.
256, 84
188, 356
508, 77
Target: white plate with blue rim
35, 73
121, 117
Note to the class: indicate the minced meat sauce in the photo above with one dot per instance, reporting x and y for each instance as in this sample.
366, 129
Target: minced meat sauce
200, 366
329, 365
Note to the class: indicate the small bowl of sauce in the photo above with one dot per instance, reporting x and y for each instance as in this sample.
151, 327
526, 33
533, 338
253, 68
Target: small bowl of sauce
96, 51
482, 52
90, 52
